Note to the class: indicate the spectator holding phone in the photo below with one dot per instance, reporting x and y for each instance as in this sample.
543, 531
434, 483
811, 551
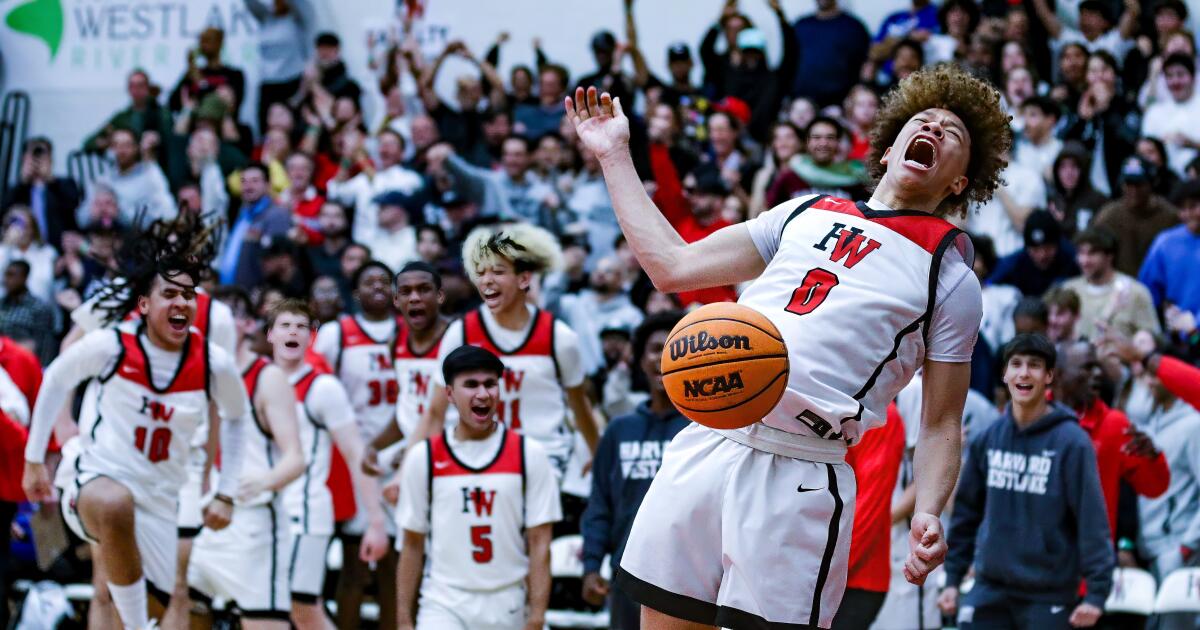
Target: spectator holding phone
51, 199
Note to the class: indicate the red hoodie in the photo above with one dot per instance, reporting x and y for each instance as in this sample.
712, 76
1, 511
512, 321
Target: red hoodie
26, 373
876, 464
668, 196
1147, 477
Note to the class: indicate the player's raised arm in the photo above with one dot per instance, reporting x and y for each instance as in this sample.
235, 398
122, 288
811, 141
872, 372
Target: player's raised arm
725, 257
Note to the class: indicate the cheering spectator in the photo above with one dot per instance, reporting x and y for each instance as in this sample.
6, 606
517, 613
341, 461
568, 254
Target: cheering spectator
302, 198
143, 114
139, 184
1137, 216
820, 169
1062, 307
1073, 201
679, 90
23, 315
786, 143
1155, 153
1047, 258
22, 241
330, 71
1173, 119
203, 77
512, 193
1005, 216
1036, 148
604, 304
1109, 298
693, 209
257, 220
591, 210
360, 190
916, 23
1096, 30
1155, 88
283, 29
832, 45
1171, 266
1107, 121
51, 199
462, 126
536, 120
608, 76
1053, 495
747, 75
325, 254
860, 108
394, 240
627, 458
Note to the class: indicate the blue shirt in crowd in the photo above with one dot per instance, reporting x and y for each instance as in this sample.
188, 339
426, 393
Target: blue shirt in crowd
1169, 270
831, 52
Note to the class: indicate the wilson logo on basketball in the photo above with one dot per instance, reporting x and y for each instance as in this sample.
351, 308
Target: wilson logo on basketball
703, 342
721, 384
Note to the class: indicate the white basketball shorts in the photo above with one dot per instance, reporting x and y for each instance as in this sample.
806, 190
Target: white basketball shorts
245, 563
444, 607
307, 566
156, 537
191, 509
737, 537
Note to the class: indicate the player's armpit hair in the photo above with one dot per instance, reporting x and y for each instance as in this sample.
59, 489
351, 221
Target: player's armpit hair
527, 247
170, 248
973, 100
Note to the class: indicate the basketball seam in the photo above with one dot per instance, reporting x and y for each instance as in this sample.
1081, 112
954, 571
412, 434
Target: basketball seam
748, 399
730, 319
724, 362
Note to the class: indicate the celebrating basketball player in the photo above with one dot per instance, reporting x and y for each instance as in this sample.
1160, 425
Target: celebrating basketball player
247, 563
485, 498
863, 294
359, 349
419, 299
156, 381
323, 411
544, 374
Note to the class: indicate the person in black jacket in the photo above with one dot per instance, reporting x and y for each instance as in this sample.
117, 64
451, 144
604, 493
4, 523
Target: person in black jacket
52, 199
1029, 511
626, 461
1046, 259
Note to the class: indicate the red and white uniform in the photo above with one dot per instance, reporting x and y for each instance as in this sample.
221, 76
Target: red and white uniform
415, 372
360, 352
862, 296
475, 500
541, 362
247, 561
150, 402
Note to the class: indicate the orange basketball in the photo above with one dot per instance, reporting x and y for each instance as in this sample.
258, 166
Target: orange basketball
725, 365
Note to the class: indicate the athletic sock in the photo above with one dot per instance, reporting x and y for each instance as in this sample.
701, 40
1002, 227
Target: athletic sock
131, 604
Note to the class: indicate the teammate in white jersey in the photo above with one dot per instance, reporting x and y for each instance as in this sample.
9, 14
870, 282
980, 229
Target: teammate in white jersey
156, 382
484, 498
544, 375
863, 294
247, 563
323, 410
359, 349
418, 298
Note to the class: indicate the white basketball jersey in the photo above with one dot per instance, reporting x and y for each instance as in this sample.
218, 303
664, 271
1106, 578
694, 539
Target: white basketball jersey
364, 365
415, 375
141, 432
477, 518
852, 291
259, 451
532, 399
308, 500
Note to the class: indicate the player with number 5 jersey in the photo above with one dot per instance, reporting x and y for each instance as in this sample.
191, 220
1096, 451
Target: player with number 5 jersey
863, 294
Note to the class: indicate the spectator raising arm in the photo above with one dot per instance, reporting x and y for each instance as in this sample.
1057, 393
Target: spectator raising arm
1048, 17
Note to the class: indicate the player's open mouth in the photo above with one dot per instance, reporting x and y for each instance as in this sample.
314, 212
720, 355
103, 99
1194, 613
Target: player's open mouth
291, 344
1023, 387
490, 295
921, 153
178, 322
480, 411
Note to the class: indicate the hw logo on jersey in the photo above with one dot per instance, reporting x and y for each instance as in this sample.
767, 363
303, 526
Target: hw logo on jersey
156, 410
420, 384
849, 245
513, 379
482, 500
380, 361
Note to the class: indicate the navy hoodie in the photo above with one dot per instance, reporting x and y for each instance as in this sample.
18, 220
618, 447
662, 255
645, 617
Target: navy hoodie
626, 461
1030, 512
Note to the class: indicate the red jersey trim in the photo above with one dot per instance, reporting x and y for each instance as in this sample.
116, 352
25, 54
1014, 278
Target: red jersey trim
509, 458
191, 373
250, 378
539, 342
404, 349
353, 333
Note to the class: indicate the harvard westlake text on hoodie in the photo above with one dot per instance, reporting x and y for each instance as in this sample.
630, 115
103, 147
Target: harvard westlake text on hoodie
1030, 513
627, 458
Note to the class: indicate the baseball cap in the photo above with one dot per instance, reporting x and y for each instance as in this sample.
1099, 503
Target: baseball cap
735, 107
708, 180
678, 51
616, 328
752, 38
393, 198
604, 40
1042, 228
1136, 170
328, 39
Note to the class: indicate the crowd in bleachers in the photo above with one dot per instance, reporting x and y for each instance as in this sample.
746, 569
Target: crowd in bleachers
1093, 238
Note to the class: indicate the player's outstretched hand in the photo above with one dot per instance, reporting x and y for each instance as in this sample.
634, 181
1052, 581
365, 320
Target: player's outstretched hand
374, 542
927, 547
217, 514
36, 482
1085, 615
599, 121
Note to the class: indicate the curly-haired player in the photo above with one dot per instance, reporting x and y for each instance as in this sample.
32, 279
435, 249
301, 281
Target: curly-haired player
157, 377
750, 528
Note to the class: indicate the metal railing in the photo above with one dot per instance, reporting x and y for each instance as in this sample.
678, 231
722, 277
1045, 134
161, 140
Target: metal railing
85, 167
14, 126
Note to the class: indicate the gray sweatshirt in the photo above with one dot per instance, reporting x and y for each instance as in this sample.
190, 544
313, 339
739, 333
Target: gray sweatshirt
283, 41
1172, 519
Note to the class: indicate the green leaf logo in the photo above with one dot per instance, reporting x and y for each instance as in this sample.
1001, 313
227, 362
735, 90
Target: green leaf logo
42, 19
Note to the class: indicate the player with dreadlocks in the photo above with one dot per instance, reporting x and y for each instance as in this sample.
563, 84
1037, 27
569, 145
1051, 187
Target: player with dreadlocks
157, 377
